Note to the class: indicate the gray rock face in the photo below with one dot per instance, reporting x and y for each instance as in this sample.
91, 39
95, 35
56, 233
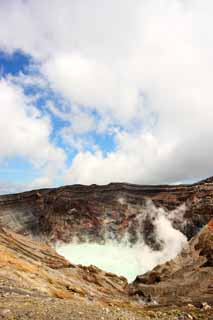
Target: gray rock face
91, 211
186, 279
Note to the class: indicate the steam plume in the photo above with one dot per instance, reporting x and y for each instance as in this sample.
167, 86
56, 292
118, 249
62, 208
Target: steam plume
125, 258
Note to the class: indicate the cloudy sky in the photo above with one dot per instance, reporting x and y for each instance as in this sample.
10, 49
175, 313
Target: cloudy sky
100, 91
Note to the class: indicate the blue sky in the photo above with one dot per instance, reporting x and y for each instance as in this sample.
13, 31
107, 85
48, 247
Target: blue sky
14, 63
106, 92
17, 170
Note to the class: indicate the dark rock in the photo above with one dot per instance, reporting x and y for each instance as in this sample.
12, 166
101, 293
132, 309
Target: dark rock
88, 212
188, 276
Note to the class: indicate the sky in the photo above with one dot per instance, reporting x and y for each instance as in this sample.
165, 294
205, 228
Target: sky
105, 91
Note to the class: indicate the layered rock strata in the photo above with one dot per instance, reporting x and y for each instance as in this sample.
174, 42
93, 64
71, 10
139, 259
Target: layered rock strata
32, 268
89, 212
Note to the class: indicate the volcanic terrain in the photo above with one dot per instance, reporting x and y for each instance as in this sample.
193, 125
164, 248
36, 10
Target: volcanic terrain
37, 283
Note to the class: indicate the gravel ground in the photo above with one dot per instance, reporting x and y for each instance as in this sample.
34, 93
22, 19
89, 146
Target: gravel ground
23, 308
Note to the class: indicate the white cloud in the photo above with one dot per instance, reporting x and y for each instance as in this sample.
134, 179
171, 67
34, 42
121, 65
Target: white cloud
137, 159
26, 133
94, 85
80, 122
143, 66
6, 187
144, 159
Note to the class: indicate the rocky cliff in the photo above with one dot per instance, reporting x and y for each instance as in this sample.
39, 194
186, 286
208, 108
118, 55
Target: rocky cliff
34, 268
186, 279
37, 283
91, 211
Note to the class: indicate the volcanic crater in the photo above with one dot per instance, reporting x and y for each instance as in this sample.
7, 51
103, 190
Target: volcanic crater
149, 223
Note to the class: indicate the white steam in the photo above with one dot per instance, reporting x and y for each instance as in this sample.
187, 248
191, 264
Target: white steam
127, 259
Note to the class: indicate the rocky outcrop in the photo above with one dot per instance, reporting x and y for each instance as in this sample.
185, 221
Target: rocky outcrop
186, 279
37, 283
91, 211
32, 268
